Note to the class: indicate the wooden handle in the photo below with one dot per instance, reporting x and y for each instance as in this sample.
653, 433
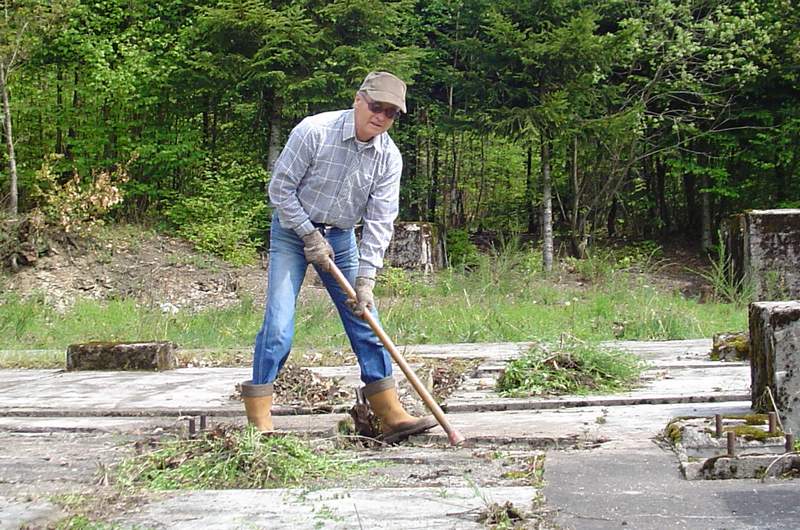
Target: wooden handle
453, 435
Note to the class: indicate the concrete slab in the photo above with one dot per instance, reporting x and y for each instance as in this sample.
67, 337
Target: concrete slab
208, 391
16, 514
674, 385
305, 425
585, 427
433, 508
641, 488
480, 350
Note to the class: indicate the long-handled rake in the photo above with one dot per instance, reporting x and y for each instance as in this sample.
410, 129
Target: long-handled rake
453, 435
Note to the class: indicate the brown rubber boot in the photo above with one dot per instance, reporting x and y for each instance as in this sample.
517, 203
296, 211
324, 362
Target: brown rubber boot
258, 405
396, 423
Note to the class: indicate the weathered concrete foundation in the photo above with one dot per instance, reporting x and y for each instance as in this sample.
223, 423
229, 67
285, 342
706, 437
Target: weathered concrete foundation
122, 356
775, 359
764, 246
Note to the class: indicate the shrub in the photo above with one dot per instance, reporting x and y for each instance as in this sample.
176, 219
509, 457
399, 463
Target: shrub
227, 213
461, 252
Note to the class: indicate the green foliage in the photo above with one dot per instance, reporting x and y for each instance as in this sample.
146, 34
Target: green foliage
725, 282
231, 458
226, 215
505, 298
394, 281
461, 252
569, 369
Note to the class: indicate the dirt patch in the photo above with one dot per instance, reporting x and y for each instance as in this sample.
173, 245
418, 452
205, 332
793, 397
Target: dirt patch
156, 270
167, 273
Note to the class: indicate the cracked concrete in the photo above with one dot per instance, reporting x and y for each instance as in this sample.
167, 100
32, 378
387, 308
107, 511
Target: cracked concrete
59, 431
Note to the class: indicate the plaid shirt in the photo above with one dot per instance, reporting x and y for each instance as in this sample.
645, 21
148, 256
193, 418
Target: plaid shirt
324, 175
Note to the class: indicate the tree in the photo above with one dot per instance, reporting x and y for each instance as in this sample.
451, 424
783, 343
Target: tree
15, 43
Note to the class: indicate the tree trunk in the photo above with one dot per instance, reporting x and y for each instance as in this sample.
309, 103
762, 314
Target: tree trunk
59, 148
547, 208
71, 132
13, 195
529, 192
275, 130
706, 241
434, 193
579, 238
611, 220
661, 195
690, 192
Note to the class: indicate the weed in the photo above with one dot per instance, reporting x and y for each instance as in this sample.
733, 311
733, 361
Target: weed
394, 281
577, 369
726, 283
504, 298
231, 458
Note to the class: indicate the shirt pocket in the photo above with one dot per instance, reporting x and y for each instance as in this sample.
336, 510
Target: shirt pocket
359, 190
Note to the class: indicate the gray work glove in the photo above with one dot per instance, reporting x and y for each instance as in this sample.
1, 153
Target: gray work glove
317, 249
365, 300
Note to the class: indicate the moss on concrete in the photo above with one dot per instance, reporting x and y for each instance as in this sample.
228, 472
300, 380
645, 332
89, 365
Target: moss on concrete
752, 432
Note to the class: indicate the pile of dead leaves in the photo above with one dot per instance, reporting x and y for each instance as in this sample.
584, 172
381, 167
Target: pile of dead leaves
448, 374
300, 387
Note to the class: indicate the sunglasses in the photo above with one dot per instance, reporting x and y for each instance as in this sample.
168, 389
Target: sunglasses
390, 112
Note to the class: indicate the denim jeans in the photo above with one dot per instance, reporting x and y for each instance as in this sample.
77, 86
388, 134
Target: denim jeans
287, 268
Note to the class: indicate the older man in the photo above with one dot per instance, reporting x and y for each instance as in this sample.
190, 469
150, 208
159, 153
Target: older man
337, 168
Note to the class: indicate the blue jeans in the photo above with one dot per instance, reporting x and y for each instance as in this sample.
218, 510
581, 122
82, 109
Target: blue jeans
287, 268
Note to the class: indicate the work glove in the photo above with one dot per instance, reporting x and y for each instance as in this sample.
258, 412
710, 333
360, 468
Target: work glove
317, 249
365, 300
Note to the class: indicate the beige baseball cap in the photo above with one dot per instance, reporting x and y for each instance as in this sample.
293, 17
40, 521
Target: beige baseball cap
385, 88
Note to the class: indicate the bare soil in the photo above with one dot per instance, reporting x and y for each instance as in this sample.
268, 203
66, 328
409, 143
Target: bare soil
154, 269
168, 273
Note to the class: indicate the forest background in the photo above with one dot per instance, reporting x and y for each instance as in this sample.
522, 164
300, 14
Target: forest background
573, 120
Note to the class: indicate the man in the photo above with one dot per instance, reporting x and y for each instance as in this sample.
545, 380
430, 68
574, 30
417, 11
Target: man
337, 168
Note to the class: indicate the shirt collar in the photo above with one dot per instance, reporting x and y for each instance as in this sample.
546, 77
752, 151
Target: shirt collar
349, 132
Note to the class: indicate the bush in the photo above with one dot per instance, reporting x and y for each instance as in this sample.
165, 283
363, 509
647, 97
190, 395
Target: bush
79, 204
461, 252
227, 214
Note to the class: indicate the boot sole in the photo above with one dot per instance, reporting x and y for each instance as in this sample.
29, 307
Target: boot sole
422, 425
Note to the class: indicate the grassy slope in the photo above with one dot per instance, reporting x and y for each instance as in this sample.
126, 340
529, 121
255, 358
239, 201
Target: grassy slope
505, 298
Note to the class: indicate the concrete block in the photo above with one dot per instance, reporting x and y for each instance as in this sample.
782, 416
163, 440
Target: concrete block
775, 359
122, 356
732, 346
764, 246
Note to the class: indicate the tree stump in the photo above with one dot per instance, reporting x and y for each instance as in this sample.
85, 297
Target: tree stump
414, 246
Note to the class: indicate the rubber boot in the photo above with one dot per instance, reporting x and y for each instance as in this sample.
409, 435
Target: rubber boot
258, 405
396, 423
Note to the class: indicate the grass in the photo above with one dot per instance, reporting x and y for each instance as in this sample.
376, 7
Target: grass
504, 298
231, 458
571, 369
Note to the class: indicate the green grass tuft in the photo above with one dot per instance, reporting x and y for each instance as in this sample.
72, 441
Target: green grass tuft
233, 458
575, 369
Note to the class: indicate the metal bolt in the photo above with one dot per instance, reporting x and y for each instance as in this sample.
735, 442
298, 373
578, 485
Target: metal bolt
192, 429
202, 422
789, 442
731, 443
773, 423
718, 424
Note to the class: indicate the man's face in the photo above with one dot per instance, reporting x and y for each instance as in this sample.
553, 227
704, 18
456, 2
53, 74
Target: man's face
370, 117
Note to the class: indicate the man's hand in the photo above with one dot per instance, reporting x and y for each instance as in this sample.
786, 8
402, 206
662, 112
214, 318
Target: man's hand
365, 300
317, 249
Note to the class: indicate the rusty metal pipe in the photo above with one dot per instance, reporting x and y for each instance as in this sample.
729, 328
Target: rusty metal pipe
455, 437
